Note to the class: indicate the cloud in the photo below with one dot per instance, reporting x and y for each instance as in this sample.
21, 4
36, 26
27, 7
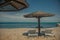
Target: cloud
4, 17
14, 18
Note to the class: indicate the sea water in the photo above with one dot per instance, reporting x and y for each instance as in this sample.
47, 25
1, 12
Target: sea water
27, 24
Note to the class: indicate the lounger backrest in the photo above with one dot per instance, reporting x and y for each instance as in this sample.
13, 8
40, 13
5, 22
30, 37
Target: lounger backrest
48, 31
31, 31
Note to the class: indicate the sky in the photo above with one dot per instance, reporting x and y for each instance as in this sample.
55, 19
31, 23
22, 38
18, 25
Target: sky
49, 6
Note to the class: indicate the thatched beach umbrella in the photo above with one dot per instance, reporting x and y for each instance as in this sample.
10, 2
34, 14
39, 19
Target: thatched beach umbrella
38, 15
18, 4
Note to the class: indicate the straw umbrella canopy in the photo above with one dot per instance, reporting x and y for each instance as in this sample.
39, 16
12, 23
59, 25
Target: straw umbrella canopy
18, 4
38, 15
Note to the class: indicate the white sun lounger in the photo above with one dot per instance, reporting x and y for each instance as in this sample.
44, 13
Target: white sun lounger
49, 33
32, 33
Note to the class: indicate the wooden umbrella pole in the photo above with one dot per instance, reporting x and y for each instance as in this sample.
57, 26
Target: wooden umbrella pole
38, 26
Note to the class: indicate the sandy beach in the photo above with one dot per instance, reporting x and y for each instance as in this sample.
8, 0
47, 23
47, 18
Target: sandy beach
17, 34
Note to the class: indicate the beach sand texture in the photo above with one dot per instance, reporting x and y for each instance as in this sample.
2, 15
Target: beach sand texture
17, 34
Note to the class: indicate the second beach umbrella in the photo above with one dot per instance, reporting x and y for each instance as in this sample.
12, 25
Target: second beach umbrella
38, 15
